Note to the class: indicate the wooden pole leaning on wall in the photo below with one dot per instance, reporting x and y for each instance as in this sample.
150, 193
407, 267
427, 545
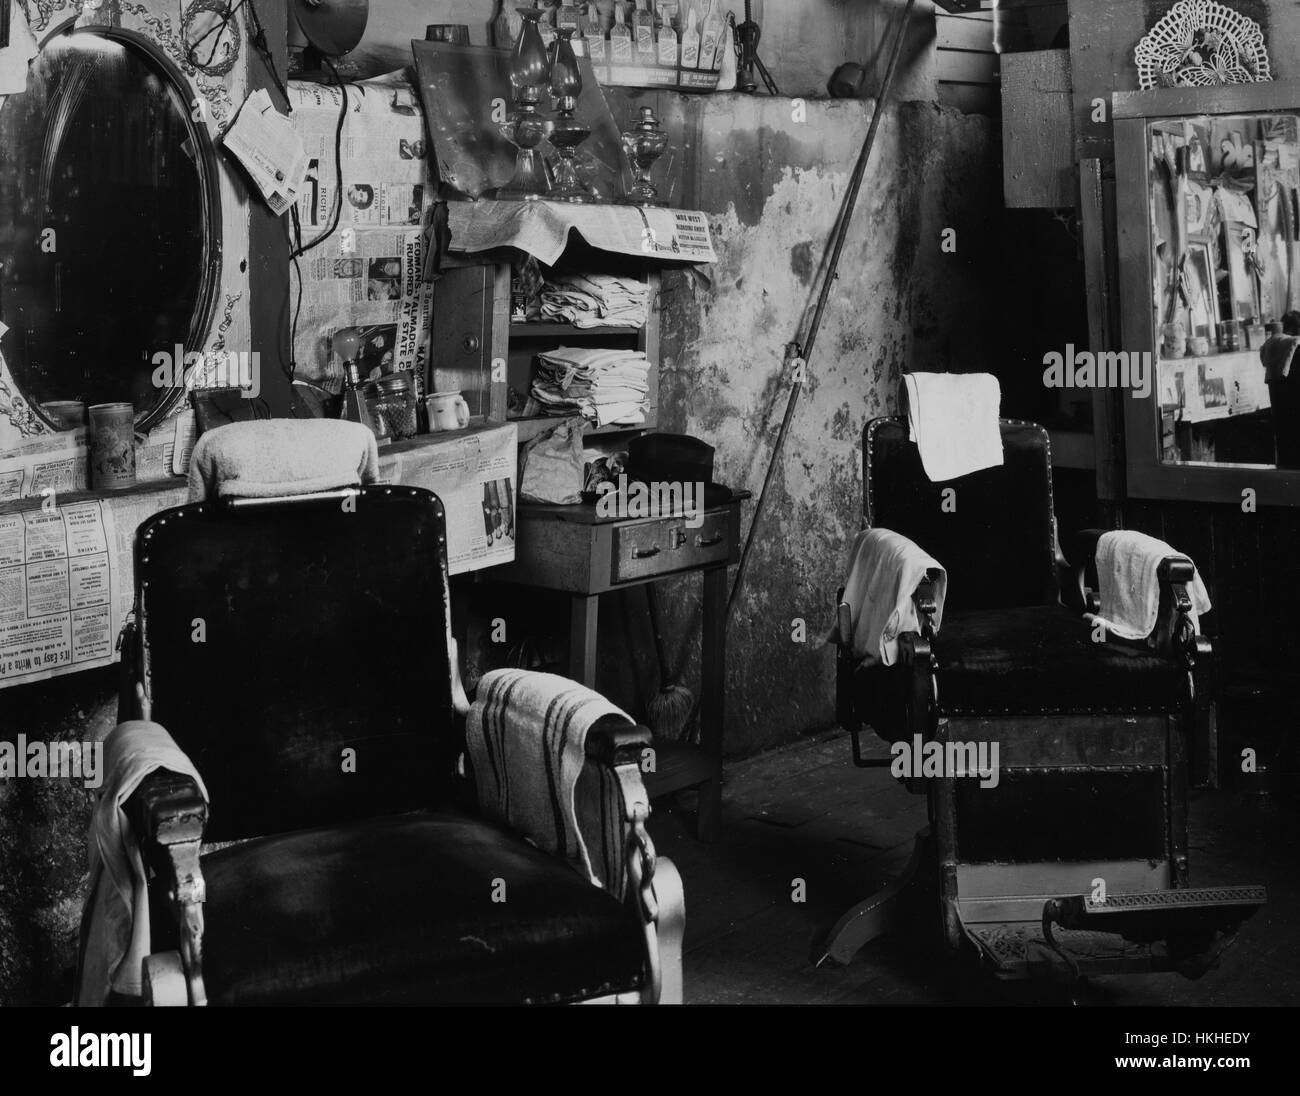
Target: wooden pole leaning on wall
800, 353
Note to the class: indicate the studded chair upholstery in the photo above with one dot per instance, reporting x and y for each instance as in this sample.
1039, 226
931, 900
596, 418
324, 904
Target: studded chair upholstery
326, 639
1093, 737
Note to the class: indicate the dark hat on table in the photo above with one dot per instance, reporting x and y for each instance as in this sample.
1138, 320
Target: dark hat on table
675, 458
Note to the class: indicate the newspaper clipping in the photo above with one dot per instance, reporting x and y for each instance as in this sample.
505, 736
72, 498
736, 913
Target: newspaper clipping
60, 590
474, 476
367, 273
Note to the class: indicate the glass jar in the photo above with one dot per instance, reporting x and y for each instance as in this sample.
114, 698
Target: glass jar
394, 404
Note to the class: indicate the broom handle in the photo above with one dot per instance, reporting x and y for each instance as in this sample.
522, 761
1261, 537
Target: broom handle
652, 603
793, 350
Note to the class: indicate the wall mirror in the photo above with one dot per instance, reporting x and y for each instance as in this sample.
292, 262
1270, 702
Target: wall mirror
1208, 204
110, 225
1225, 264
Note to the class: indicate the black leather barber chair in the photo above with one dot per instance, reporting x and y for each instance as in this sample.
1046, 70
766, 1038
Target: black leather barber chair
326, 627
1075, 860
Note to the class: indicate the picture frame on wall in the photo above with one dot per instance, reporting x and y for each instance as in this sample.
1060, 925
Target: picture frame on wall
1239, 291
1200, 274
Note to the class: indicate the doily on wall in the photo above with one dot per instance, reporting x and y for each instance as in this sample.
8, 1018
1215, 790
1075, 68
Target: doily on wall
1202, 43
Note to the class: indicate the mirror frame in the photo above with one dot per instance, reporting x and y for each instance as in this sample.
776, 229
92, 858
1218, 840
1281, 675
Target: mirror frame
1148, 476
210, 189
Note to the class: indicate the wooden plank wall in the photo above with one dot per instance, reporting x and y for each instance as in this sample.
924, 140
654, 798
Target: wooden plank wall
966, 60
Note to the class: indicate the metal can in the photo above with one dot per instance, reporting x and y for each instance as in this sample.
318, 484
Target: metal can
112, 446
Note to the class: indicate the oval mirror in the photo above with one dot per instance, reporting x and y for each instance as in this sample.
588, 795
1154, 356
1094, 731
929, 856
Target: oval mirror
110, 225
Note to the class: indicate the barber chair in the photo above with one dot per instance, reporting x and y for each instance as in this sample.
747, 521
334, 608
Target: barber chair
1075, 862
273, 636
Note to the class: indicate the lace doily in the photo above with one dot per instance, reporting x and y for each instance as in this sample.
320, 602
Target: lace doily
1201, 43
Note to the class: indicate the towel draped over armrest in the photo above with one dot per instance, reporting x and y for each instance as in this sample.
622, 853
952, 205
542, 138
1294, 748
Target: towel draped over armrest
526, 735
1129, 586
115, 920
884, 570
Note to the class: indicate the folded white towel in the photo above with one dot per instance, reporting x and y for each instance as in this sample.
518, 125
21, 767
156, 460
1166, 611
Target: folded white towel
1127, 562
270, 457
884, 570
527, 739
115, 922
953, 418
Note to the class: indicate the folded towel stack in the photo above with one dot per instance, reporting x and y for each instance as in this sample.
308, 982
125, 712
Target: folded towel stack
603, 386
594, 300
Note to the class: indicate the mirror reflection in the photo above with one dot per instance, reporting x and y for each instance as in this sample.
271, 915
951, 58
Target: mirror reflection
104, 227
1225, 231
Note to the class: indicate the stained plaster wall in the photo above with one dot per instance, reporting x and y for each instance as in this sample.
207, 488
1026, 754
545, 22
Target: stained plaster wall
772, 185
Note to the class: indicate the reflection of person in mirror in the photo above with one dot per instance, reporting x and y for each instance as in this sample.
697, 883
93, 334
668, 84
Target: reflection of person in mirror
361, 196
1282, 374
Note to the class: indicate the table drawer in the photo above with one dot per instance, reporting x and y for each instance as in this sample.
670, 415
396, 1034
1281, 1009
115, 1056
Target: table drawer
669, 544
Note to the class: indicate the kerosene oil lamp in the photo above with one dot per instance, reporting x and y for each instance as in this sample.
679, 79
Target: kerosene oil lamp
566, 133
529, 77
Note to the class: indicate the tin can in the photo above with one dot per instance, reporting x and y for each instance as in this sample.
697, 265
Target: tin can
112, 446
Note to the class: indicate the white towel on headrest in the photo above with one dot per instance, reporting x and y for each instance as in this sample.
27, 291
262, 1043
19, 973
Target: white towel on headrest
1127, 565
266, 458
953, 418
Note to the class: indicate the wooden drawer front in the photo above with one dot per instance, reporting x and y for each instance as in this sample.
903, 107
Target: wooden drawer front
658, 547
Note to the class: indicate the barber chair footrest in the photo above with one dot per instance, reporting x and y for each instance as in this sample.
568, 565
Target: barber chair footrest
1184, 914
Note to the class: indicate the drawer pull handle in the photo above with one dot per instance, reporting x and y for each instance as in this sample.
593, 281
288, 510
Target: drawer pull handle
700, 542
645, 553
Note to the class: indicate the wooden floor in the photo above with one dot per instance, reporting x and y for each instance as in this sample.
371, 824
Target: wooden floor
806, 813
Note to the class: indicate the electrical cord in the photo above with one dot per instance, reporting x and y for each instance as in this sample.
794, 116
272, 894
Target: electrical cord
337, 204
298, 248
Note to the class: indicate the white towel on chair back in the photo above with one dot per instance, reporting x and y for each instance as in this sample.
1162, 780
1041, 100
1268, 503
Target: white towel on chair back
953, 418
527, 739
884, 569
1127, 565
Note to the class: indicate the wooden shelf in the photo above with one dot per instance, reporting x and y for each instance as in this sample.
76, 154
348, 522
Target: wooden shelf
569, 331
530, 427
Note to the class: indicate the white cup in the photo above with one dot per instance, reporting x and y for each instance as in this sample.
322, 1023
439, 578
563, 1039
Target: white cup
447, 411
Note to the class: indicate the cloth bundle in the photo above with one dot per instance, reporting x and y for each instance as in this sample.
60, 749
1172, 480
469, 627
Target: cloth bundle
604, 386
1278, 354
594, 300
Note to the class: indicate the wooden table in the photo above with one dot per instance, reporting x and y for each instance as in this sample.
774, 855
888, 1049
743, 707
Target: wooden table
573, 550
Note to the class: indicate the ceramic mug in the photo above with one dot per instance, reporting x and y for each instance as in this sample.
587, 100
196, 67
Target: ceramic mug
447, 411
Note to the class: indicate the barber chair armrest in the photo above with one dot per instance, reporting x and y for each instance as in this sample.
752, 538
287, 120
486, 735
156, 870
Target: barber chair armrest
653, 886
1174, 638
168, 815
619, 747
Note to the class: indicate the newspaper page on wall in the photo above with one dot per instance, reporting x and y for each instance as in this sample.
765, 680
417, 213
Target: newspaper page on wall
474, 476
61, 591
367, 273
57, 462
